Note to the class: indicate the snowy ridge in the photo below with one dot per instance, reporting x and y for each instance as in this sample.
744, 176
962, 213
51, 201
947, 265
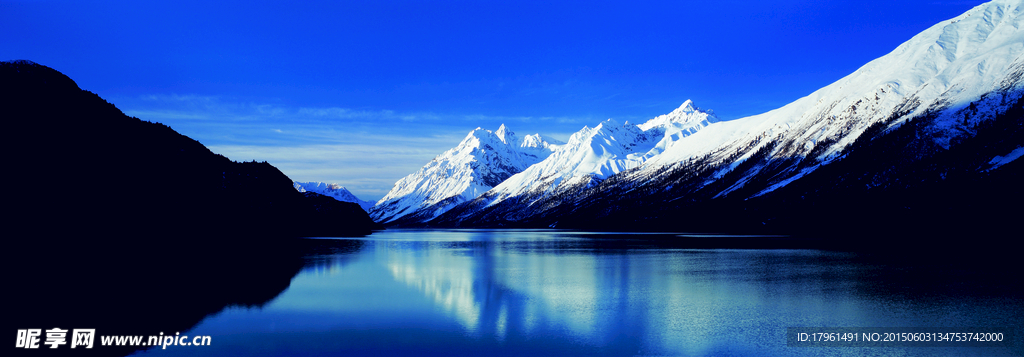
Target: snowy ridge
593, 154
942, 69
481, 161
334, 191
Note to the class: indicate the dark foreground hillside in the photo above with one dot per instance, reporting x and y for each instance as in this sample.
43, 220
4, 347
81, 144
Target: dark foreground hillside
129, 227
76, 164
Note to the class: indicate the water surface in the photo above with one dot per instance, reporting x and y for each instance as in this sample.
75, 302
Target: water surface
525, 292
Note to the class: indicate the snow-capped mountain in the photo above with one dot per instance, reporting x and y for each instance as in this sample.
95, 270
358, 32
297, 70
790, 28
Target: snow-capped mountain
943, 86
334, 191
481, 161
593, 154
951, 66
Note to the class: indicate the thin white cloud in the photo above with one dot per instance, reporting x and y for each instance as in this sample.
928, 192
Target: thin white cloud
157, 115
364, 150
369, 171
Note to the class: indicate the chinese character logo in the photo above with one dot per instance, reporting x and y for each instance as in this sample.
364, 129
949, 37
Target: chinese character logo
56, 337
83, 337
28, 338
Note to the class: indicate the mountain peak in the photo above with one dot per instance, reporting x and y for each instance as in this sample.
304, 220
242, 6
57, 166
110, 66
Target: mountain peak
31, 77
686, 116
687, 107
503, 133
540, 141
482, 160
609, 123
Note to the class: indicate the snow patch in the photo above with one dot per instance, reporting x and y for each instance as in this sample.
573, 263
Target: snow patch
998, 161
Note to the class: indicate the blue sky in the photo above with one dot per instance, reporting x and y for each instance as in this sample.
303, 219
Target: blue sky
364, 93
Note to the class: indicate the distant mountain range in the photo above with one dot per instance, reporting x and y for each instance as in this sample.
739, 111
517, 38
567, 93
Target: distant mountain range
925, 136
332, 190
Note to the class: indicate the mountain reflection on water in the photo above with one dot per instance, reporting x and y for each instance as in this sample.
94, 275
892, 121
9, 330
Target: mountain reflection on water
146, 285
516, 292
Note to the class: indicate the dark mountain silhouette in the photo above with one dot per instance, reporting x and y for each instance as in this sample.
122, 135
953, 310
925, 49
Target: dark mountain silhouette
129, 227
94, 169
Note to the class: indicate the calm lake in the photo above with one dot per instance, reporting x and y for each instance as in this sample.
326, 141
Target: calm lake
526, 292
